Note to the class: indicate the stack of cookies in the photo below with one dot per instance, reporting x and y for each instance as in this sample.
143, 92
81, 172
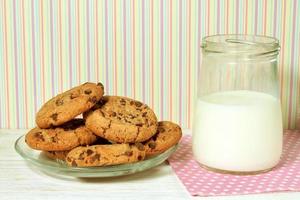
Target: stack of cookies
85, 128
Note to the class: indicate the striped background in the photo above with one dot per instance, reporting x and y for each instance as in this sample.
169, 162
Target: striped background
148, 50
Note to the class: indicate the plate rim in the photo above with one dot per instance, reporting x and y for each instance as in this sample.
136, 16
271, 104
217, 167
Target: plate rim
91, 170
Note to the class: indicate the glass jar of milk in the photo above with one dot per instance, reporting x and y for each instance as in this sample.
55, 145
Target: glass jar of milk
237, 125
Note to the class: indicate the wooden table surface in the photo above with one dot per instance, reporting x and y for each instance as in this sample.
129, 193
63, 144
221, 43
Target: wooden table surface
20, 181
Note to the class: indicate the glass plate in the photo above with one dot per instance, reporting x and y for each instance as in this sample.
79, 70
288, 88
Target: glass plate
60, 168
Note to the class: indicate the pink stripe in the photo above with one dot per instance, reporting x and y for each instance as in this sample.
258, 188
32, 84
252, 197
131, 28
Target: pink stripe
60, 49
143, 50
282, 48
106, 47
125, 47
33, 55
199, 40
265, 16
51, 48
189, 67
180, 61
88, 40
152, 64
133, 48
16, 55
237, 16
6, 68
97, 40
162, 59
70, 45
292, 66
24, 67
78, 46
42, 52
218, 16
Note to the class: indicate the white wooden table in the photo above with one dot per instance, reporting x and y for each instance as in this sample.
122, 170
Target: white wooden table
20, 181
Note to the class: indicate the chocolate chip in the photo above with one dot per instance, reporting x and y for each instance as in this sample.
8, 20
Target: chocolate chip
127, 121
138, 104
74, 164
37, 133
139, 124
144, 114
140, 146
131, 103
131, 116
122, 102
73, 96
128, 153
93, 99
152, 145
68, 159
54, 139
147, 122
59, 102
80, 157
95, 157
89, 152
154, 137
161, 130
54, 116
113, 114
39, 136
140, 157
88, 91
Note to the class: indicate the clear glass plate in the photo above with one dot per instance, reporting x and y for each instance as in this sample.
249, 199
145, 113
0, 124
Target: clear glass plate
60, 168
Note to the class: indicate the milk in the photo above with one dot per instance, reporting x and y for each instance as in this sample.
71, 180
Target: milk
238, 131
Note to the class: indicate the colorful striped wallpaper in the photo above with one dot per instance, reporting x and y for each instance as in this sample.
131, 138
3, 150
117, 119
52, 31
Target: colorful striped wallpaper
148, 50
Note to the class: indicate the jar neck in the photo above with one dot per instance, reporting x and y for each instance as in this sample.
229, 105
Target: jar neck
246, 46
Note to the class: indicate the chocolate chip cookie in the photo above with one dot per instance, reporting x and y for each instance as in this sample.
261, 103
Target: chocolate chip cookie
122, 120
61, 155
56, 155
168, 134
66, 106
62, 138
104, 155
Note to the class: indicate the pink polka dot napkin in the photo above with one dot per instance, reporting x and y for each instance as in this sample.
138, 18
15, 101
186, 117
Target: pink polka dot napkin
198, 181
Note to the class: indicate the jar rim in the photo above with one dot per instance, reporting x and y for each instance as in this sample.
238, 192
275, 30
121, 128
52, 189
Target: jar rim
239, 43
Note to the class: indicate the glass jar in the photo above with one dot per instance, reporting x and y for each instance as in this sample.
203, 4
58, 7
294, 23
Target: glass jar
237, 125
